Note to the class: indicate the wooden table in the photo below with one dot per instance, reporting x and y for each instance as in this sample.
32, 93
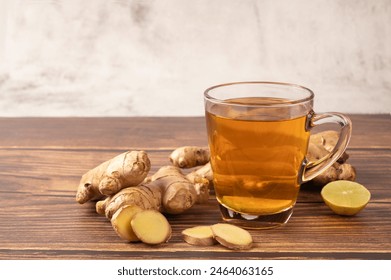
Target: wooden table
42, 160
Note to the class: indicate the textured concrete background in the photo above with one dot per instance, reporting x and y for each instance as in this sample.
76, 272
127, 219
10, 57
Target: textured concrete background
150, 57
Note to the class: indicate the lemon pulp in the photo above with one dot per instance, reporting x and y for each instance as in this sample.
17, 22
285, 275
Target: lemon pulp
345, 197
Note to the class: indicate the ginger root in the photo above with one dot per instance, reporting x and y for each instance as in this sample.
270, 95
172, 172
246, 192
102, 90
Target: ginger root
125, 170
178, 193
327, 140
141, 196
320, 145
335, 172
190, 156
202, 178
166, 191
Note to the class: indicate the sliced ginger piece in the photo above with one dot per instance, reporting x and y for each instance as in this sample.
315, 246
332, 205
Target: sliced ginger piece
121, 222
151, 227
199, 236
232, 237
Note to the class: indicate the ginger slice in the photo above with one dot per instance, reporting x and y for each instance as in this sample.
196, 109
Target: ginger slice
151, 227
121, 222
232, 237
199, 236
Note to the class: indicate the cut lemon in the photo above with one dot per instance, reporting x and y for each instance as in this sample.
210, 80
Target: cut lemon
345, 197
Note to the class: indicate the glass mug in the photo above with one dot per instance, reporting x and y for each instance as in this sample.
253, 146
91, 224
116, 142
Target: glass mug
258, 135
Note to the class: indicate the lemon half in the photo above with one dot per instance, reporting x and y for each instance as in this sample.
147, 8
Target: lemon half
345, 197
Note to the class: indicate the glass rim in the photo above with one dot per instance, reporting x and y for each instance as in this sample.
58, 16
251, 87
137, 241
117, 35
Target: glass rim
309, 97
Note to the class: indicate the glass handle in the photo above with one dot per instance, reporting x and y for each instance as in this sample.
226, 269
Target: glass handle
311, 170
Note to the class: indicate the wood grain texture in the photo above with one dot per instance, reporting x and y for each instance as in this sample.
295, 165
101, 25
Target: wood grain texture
42, 160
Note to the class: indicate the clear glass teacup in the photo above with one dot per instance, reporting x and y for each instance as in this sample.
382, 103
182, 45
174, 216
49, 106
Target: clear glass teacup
258, 134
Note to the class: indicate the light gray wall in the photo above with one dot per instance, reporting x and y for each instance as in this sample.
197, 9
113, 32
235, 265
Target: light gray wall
155, 57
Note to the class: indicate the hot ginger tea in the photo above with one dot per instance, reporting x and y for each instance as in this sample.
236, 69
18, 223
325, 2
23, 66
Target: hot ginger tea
256, 158
258, 134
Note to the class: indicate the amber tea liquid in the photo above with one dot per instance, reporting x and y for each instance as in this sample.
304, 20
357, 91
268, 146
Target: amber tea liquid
256, 158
